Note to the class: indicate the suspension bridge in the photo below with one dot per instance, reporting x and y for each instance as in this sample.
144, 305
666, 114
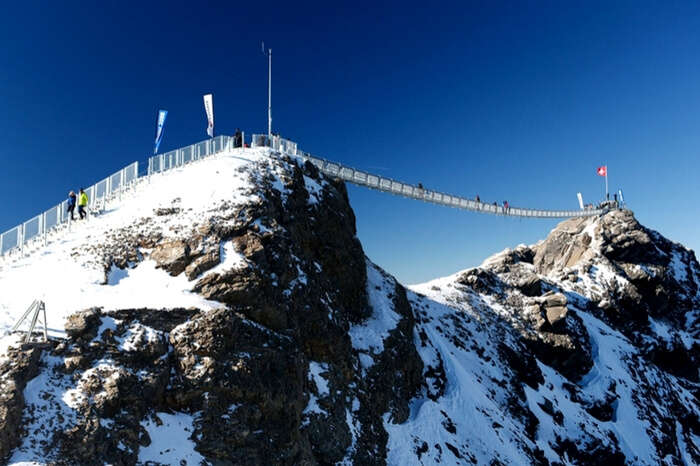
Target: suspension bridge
411, 191
36, 231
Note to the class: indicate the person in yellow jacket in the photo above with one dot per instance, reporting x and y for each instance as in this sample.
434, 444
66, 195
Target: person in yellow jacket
82, 204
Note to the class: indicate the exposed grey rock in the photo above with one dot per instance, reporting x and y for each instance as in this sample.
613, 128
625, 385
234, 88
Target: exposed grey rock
530, 285
162, 211
203, 263
556, 315
83, 323
552, 299
172, 255
20, 367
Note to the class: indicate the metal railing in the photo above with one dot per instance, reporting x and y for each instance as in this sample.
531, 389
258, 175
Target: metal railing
37, 229
197, 151
34, 310
399, 188
389, 185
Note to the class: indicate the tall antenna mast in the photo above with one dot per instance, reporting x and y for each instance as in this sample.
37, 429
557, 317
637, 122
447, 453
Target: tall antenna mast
269, 89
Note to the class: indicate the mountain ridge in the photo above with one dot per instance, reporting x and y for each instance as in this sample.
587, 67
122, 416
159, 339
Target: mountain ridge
230, 305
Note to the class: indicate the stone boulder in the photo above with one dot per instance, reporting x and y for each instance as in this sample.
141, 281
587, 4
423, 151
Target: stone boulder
205, 262
554, 307
556, 315
172, 255
83, 324
529, 284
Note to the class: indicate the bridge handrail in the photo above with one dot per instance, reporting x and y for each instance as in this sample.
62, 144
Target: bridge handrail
388, 184
408, 190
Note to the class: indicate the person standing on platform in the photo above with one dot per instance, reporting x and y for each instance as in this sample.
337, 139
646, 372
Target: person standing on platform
82, 204
70, 207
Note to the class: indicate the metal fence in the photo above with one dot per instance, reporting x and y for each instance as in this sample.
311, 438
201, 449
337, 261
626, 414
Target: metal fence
274, 142
36, 230
179, 157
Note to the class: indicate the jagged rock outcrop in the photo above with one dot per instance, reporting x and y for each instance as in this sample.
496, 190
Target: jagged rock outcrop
612, 307
21, 365
649, 279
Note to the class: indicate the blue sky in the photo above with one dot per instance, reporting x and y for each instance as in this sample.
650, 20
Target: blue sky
516, 101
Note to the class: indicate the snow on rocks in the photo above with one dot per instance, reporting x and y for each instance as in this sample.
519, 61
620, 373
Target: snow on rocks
133, 254
368, 337
613, 406
137, 336
48, 408
69, 273
316, 371
171, 440
462, 415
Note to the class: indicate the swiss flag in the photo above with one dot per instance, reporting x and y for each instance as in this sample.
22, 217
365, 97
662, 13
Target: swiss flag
602, 171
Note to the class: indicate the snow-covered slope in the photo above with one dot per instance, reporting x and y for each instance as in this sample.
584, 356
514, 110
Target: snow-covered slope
597, 386
67, 274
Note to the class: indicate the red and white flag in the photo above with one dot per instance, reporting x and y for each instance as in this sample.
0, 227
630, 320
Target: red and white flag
602, 171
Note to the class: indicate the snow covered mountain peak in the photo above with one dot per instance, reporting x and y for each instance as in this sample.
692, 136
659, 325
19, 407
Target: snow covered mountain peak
603, 317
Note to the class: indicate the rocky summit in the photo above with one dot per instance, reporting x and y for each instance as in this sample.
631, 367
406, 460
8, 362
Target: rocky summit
229, 316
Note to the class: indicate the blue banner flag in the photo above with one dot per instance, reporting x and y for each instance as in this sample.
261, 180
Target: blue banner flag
160, 122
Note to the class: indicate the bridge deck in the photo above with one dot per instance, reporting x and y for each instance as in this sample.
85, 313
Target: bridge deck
398, 188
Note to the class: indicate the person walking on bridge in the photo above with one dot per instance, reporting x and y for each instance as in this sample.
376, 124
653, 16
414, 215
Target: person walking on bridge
82, 204
506, 206
70, 206
478, 199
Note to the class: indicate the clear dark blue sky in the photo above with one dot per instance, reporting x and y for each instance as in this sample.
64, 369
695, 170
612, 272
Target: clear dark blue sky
514, 100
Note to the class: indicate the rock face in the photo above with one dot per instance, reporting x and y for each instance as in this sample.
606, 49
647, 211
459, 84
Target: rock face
21, 366
303, 352
609, 311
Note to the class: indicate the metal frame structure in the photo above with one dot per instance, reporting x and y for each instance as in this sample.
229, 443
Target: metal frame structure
36, 307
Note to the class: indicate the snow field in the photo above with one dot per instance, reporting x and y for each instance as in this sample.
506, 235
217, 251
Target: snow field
69, 280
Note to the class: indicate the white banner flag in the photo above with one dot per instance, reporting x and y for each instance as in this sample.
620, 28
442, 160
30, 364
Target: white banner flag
209, 108
160, 123
580, 200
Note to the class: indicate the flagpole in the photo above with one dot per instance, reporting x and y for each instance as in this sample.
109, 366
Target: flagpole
269, 88
155, 144
607, 193
269, 93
